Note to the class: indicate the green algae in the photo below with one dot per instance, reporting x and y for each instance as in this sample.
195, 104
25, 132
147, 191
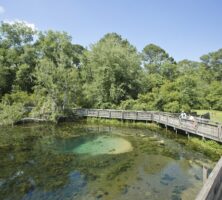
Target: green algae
34, 163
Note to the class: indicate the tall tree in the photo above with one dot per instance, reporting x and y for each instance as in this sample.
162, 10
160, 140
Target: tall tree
158, 66
16, 42
213, 63
56, 73
112, 72
154, 56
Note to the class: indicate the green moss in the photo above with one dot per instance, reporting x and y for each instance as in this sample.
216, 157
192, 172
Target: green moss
125, 123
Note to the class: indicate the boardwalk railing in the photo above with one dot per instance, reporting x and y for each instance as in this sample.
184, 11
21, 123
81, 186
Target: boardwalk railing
212, 188
198, 126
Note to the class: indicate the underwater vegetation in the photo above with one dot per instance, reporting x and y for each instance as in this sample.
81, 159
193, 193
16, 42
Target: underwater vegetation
54, 161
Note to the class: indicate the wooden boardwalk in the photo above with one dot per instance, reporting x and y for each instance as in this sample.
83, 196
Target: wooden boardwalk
198, 126
212, 188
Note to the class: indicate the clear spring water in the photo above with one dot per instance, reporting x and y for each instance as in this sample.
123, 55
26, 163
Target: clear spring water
97, 145
89, 162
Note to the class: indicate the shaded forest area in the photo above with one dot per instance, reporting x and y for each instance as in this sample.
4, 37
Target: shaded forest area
45, 70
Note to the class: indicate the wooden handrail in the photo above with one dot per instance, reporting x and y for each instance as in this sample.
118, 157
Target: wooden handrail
198, 126
212, 188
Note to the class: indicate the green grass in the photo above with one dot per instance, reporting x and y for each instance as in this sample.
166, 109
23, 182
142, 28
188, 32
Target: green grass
208, 147
214, 114
127, 123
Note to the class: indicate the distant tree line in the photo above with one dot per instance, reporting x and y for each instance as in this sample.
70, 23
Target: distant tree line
45, 70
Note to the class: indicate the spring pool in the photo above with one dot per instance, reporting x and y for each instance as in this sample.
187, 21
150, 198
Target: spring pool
80, 161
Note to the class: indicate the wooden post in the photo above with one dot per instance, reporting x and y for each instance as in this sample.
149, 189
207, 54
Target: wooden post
211, 190
188, 135
109, 114
204, 174
203, 138
220, 132
196, 127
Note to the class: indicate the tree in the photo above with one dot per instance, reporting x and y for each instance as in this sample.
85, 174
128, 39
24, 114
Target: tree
154, 55
188, 67
56, 74
77, 53
16, 42
214, 95
158, 66
111, 72
16, 34
213, 63
57, 85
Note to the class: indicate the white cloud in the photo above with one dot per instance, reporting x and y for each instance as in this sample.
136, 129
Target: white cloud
2, 10
31, 25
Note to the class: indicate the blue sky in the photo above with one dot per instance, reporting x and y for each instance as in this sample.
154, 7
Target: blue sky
184, 28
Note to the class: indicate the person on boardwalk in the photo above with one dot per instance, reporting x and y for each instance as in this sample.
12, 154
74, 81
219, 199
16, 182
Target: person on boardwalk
183, 115
194, 122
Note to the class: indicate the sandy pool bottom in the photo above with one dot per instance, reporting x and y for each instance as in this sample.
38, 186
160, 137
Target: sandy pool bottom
104, 145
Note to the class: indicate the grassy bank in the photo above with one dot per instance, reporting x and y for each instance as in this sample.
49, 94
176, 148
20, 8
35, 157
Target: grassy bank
214, 114
127, 123
208, 147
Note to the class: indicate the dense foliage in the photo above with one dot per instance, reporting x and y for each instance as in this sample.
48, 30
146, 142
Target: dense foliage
45, 70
